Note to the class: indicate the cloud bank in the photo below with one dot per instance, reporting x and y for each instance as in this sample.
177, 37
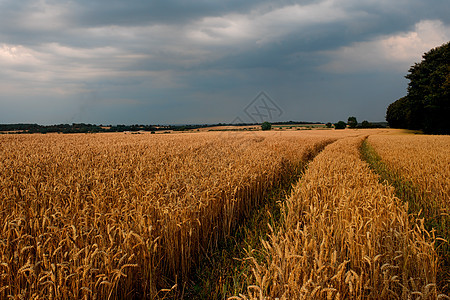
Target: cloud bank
203, 62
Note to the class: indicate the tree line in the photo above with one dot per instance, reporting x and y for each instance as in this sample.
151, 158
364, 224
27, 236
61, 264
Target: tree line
427, 103
352, 122
93, 128
78, 128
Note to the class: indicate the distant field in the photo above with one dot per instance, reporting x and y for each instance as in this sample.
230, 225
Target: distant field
114, 215
294, 126
237, 127
258, 127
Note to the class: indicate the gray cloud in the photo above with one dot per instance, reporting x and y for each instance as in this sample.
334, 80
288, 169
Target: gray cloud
200, 61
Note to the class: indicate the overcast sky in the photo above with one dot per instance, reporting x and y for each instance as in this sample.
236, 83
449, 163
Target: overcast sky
175, 61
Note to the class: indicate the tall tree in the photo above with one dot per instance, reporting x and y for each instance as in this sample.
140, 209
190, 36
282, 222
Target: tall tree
427, 103
266, 126
340, 125
352, 122
398, 114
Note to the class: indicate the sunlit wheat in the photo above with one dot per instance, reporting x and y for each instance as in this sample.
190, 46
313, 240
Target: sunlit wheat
108, 216
344, 236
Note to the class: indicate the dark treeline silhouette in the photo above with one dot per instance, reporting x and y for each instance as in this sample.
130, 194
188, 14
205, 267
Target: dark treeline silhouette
92, 128
427, 104
77, 128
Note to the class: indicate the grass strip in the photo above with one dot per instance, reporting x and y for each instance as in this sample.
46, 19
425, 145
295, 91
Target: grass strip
225, 272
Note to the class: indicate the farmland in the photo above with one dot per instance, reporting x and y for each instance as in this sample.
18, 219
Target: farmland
117, 216
419, 168
344, 235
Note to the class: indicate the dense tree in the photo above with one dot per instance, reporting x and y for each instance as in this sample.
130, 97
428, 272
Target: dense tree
427, 103
366, 124
352, 122
340, 125
329, 125
397, 114
266, 126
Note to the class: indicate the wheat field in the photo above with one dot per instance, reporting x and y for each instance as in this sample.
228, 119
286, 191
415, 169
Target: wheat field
113, 215
120, 216
422, 160
423, 165
344, 235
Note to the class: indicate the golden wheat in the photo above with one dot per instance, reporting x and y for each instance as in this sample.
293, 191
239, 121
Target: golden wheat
344, 236
421, 166
422, 160
111, 216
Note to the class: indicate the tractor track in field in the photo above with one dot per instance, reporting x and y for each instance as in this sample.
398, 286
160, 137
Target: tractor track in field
224, 272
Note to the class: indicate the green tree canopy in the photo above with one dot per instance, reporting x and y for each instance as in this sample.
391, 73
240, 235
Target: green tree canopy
266, 126
352, 122
366, 124
340, 125
427, 103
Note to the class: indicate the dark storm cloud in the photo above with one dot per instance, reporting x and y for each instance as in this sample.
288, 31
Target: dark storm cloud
138, 12
179, 61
